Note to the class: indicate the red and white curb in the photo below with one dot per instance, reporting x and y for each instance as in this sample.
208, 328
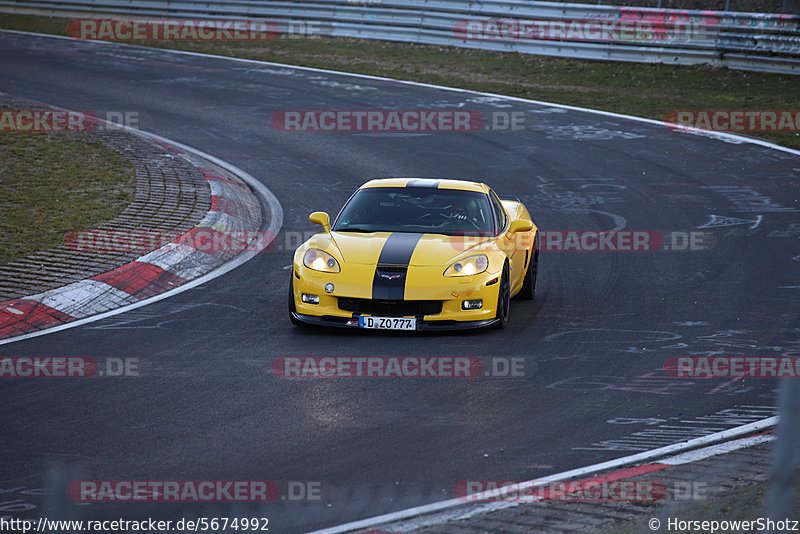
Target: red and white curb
642, 463
235, 208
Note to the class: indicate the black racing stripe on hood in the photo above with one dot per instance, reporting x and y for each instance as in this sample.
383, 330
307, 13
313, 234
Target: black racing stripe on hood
389, 282
423, 182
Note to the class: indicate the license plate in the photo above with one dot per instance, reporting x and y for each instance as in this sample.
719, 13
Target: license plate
388, 323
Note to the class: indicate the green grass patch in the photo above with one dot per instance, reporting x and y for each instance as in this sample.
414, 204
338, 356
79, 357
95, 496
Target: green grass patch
644, 90
53, 183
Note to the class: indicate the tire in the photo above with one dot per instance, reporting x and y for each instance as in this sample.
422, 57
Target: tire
292, 307
503, 299
528, 291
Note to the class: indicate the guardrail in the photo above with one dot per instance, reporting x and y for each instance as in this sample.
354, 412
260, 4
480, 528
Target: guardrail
751, 41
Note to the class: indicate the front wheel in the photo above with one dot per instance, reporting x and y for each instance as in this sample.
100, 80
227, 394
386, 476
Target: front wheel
503, 299
528, 290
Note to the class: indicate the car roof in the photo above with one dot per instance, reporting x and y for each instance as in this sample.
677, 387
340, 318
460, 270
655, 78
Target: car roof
434, 183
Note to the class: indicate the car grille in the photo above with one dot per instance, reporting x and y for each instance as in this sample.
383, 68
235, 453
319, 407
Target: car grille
390, 308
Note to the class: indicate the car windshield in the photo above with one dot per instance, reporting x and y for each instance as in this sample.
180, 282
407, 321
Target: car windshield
416, 209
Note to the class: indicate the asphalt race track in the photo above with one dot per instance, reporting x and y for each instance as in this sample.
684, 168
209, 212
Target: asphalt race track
594, 342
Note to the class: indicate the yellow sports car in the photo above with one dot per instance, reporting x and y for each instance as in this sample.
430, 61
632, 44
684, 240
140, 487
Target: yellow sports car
416, 254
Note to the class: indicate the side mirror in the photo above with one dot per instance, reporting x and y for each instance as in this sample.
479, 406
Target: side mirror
520, 225
320, 217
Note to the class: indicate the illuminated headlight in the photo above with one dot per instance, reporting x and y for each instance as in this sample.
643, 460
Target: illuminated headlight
319, 260
472, 304
470, 265
310, 299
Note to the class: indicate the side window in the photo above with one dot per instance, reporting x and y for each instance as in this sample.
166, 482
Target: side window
499, 213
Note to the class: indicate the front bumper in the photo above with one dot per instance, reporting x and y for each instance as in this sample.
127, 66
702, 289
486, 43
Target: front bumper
450, 291
343, 322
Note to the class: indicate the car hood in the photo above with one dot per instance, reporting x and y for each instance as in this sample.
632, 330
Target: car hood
397, 248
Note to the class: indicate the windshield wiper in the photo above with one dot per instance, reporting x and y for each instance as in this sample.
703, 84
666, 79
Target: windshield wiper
354, 229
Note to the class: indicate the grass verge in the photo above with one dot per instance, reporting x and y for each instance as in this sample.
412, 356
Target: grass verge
53, 183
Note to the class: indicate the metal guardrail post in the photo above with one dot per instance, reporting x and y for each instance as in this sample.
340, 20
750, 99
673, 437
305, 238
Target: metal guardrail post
785, 452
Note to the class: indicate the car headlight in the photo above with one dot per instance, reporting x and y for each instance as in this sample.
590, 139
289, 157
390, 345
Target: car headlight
319, 260
469, 265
